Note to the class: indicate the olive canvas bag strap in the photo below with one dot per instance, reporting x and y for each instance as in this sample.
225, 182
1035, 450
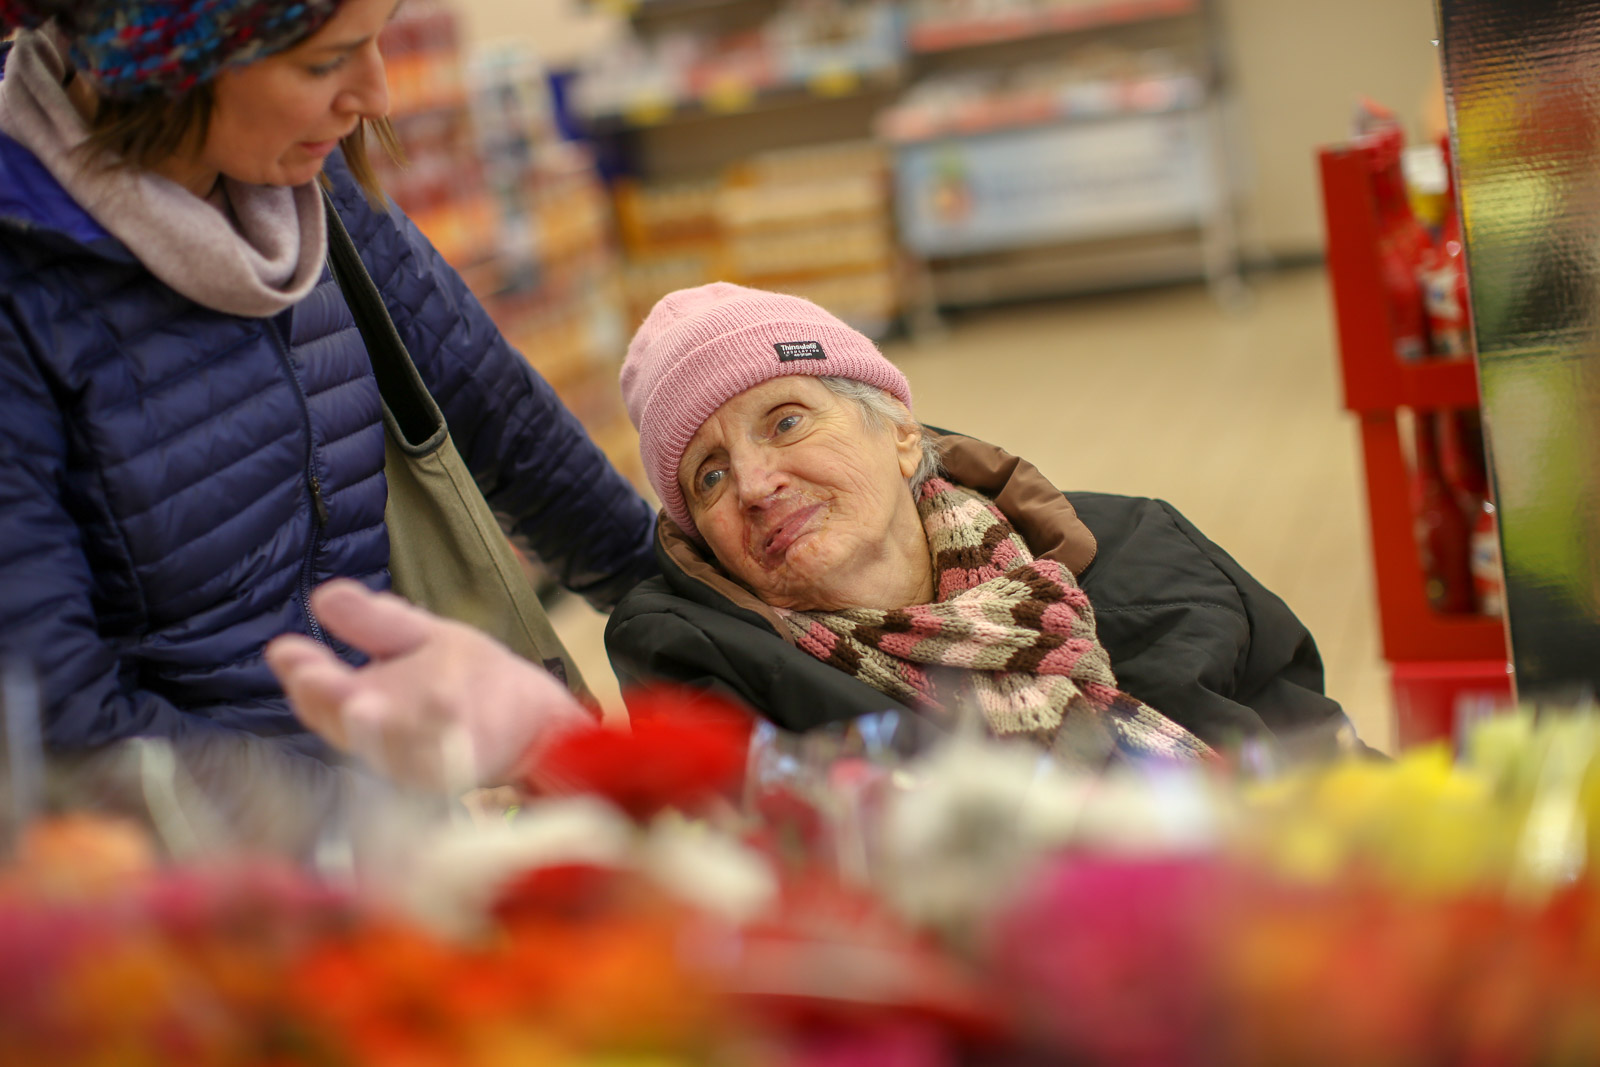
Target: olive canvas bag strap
447, 552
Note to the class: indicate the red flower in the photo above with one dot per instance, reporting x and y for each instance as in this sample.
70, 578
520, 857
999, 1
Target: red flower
684, 748
685, 705
571, 893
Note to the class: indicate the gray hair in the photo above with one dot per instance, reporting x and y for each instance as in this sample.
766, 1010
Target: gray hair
885, 412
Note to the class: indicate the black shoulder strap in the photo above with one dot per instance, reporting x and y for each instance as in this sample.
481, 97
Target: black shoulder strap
402, 388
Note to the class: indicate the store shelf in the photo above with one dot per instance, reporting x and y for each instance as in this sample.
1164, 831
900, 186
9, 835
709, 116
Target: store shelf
736, 98
1439, 659
1374, 380
1076, 267
1089, 124
668, 8
1024, 187
1440, 701
913, 125
944, 36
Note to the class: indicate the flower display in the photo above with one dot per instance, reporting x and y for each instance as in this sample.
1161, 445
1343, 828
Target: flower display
833, 901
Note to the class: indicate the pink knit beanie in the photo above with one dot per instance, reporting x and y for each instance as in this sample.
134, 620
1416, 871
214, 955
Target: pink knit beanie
701, 347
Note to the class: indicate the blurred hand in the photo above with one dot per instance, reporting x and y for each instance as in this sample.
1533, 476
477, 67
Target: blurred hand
430, 680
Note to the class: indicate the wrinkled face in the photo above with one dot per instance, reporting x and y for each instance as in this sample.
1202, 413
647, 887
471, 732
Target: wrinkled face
803, 501
277, 119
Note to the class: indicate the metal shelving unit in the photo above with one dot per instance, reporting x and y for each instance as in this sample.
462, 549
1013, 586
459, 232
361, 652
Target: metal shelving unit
1035, 190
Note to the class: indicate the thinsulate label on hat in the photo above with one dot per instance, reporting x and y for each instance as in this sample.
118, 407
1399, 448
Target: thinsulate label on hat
792, 350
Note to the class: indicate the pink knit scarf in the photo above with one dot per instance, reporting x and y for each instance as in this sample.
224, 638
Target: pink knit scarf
1006, 634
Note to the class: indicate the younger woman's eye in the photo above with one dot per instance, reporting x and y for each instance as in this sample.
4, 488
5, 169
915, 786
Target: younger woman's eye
324, 69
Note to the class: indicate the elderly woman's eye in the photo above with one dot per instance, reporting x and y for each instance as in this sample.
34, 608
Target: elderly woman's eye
787, 423
709, 479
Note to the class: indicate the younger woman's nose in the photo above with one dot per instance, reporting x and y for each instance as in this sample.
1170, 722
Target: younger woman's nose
366, 93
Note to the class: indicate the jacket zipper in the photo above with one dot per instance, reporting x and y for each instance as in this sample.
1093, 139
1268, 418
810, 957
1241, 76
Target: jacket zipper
319, 506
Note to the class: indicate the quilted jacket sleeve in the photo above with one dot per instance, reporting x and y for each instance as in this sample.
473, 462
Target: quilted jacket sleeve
90, 694
529, 454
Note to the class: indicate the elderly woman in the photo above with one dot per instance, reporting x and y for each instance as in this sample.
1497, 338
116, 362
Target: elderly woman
824, 556
190, 431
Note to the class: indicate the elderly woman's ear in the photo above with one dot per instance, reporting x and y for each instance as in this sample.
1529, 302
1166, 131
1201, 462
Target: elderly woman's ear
908, 445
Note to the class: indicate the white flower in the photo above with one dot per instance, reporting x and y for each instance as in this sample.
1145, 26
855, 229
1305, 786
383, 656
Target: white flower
981, 812
453, 874
707, 869
1160, 808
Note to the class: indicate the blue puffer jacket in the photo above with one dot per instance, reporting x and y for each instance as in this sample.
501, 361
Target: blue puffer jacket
162, 466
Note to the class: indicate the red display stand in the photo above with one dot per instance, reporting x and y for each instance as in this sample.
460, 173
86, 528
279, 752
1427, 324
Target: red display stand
1440, 662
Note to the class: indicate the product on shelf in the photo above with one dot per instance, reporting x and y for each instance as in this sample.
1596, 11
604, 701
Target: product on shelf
820, 43
639, 81
1444, 276
1462, 463
664, 214
671, 239
800, 220
1403, 244
824, 47
1427, 182
1488, 576
1087, 83
812, 221
1464, 466
1443, 530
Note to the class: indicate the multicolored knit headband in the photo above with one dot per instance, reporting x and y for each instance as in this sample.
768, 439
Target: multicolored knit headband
132, 49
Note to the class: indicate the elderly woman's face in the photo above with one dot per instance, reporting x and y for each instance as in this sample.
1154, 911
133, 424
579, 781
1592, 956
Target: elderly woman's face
804, 502
276, 120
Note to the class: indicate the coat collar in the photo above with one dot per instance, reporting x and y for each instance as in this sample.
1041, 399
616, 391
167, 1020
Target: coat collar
1041, 514
32, 200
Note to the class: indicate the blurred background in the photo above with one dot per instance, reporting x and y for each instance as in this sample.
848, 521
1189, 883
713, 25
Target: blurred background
1089, 231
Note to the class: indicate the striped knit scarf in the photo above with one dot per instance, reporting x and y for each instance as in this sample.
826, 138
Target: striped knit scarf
1010, 635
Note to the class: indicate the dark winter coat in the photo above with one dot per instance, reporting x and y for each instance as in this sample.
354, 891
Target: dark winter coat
1189, 631
174, 481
